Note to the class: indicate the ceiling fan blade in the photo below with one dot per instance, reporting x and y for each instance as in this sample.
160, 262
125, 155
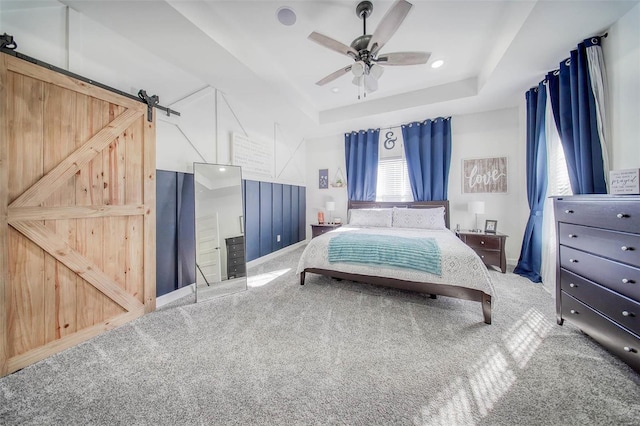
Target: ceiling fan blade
388, 25
333, 44
403, 58
334, 75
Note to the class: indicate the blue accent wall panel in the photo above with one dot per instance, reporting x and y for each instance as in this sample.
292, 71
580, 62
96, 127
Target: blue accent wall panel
166, 228
302, 213
252, 219
276, 214
266, 221
294, 215
286, 215
272, 209
175, 231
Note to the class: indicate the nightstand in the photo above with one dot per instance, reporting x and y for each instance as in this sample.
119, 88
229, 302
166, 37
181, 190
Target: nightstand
490, 247
319, 229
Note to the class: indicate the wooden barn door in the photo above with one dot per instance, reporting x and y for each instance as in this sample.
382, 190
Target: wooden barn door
77, 212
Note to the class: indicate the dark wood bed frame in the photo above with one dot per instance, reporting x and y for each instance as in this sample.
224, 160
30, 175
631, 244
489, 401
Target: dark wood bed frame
420, 287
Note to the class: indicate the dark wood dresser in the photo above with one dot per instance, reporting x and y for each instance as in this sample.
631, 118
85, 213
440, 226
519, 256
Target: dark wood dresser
489, 246
236, 264
598, 270
323, 228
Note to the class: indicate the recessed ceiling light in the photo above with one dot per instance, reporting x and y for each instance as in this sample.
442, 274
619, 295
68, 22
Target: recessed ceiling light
286, 16
335, 90
437, 64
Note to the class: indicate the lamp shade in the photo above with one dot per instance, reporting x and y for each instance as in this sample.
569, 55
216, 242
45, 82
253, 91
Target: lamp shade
476, 207
330, 206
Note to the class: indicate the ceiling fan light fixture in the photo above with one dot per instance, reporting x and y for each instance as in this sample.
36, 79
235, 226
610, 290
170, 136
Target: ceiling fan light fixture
370, 84
286, 16
376, 71
358, 68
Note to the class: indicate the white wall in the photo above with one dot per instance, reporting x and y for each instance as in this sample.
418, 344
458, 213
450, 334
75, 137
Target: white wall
488, 134
53, 33
622, 60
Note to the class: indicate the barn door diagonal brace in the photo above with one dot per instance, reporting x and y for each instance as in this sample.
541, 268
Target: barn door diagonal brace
154, 102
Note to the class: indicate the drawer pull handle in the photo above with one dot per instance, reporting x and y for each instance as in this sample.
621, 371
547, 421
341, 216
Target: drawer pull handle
622, 215
482, 242
568, 211
573, 260
573, 311
627, 281
625, 248
573, 236
572, 285
628, 314
628, 349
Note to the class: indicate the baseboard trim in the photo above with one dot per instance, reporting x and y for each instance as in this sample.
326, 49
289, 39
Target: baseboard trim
175, 295
270, 256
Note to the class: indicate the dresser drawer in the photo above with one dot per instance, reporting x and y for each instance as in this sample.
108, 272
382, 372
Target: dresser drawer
236, 271
621, 246
620, 309
235, 240
619, 277
614, 338
614, 213
234, 261
490, 257
237, 253
482, 242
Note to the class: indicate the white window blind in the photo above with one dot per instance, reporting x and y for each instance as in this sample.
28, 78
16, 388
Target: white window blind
393, 180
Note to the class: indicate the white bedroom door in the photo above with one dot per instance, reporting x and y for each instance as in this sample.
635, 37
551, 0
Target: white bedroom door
208, 252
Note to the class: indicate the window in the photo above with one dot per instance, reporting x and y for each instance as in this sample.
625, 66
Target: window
393, 180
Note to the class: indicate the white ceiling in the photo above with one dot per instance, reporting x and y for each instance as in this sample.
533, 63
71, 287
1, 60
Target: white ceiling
493, 52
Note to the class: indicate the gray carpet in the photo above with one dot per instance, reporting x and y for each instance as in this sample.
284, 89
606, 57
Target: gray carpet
332, 353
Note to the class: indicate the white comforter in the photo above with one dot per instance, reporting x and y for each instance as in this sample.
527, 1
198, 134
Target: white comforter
461, 266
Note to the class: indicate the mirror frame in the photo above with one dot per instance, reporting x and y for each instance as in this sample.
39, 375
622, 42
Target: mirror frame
208, 290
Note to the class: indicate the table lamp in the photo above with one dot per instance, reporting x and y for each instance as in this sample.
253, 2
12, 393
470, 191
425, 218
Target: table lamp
476, 207
330, 206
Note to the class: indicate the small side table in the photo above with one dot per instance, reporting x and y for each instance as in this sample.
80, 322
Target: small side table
490, 247
319, 229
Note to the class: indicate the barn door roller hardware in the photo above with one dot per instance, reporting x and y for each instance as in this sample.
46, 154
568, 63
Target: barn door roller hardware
6, 42
8, 46
154, 102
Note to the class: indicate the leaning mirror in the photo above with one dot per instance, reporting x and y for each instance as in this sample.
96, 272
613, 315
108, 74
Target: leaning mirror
220, 254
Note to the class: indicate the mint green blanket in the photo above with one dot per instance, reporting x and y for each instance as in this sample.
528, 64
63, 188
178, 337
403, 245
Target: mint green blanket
422, 254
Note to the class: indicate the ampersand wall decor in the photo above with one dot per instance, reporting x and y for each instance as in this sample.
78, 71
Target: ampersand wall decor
389, 143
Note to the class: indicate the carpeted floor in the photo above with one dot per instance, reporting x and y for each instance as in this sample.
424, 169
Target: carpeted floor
332, 352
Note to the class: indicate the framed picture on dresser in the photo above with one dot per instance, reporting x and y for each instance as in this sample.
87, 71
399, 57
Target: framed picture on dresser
490, 226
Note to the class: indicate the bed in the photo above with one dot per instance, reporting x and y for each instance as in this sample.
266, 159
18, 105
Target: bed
461, 273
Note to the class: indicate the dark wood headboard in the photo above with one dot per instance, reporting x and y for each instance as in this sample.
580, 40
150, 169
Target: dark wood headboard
403, 204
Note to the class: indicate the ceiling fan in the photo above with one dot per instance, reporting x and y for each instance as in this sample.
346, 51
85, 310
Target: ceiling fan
365, 49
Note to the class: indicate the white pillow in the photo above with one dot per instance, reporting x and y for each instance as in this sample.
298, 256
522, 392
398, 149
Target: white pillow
371, 217
429, 218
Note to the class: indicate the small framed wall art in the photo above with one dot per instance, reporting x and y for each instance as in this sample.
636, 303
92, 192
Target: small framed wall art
484, 175
323, 178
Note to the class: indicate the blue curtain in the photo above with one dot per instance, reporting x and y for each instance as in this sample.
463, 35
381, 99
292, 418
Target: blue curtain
361, 151
427, 147
574, 111
531, 253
